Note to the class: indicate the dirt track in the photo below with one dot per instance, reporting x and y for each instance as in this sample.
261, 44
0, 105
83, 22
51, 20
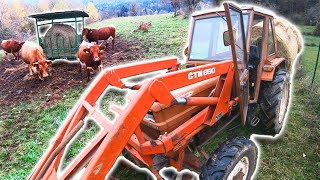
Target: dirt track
17, 86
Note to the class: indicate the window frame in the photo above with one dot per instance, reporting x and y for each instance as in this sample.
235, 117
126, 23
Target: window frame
213, 15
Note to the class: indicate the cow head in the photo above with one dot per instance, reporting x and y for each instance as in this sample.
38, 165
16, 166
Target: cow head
41, 66
20, 44
95, 51
85, 31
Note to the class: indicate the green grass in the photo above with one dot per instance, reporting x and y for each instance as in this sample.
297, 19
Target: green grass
2, 55
26, 131
166, 37
28, 127
284, 158
309, 39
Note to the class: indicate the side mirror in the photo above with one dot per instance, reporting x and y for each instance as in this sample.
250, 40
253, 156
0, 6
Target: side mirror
226, 38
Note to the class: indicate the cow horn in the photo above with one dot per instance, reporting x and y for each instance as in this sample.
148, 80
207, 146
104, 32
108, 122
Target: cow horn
36, 63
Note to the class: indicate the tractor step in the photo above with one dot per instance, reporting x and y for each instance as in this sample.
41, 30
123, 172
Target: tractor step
254, 121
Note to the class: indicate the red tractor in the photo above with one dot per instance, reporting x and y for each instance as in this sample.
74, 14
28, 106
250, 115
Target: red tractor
229, 76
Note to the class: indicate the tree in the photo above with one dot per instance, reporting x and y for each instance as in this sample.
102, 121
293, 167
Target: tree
6, 23
134, 9
314, 15
317, 29
93, 11
218, 2
60, 5
19, 9
191, 6
44, 5
175, 4
123, 11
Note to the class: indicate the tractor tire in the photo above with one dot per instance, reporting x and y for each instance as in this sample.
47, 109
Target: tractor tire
234, 159
274, 101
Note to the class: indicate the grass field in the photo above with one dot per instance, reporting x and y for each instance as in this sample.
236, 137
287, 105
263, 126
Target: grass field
2, 55
294, 156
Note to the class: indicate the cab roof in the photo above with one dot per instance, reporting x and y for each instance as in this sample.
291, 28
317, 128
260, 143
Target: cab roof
244, 8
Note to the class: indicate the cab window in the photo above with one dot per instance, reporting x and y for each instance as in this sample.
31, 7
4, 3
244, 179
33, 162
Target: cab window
271, 48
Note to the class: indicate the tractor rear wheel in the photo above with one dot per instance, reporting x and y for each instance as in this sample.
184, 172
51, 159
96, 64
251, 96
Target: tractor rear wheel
234, 159
275, 101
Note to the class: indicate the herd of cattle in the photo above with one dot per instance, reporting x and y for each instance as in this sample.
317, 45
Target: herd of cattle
89, 52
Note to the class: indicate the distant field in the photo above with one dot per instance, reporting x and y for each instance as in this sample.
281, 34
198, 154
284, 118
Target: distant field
31, 127
166, 37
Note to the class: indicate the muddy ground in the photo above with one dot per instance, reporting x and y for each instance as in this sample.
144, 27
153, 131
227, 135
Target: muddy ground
17, 86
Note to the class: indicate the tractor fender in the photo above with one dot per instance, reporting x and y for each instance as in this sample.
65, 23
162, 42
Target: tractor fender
269, 68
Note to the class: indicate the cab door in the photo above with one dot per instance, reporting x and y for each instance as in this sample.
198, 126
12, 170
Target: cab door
236, 38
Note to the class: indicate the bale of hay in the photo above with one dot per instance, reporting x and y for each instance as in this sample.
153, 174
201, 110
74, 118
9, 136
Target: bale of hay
60, 36
288, 37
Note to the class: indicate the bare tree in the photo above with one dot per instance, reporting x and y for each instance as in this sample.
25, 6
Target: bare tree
191, 6
134, 9
176, 6
217, 2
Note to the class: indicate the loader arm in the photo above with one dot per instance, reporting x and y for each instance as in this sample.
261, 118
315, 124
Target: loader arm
103, 151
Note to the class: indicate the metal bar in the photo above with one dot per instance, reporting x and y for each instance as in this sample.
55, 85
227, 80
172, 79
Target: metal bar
58, 21
61, 133
37, 31
76, 40
82, 23
315, 68
195, 101
219, 130
85, 156
44, 42
57, 47
51, 47
70, 46
64, 47
61, 146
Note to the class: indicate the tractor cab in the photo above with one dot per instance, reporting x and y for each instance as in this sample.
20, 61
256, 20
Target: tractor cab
245, 36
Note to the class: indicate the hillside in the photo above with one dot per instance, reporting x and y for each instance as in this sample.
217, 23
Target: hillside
26, 127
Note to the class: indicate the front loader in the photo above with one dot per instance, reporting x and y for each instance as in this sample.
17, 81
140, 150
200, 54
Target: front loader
169, 117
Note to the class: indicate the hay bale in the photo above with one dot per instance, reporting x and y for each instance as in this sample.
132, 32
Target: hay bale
59, 33
288, 36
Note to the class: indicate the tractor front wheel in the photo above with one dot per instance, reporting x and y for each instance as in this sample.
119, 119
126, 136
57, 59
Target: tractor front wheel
234, 159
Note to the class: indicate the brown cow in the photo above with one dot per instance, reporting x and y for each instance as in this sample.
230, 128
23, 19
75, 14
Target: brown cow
103, 33
89, 57
32, 54
11, 46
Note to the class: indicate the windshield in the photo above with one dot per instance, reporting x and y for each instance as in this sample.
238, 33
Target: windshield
207, 39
